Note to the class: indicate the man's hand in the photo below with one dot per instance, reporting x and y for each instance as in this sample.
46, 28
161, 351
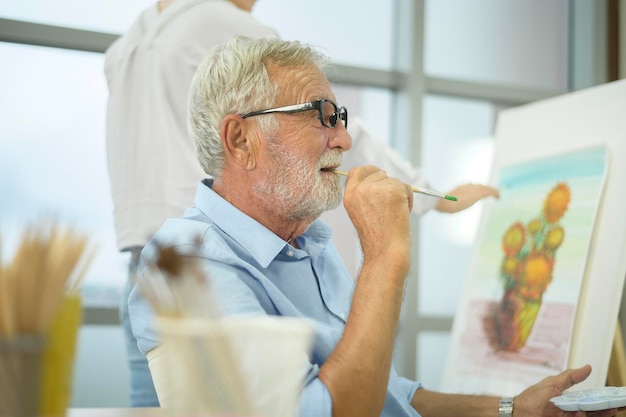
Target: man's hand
379, 208
534, 401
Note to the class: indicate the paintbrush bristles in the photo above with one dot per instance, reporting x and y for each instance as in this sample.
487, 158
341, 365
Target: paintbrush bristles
176, 285
33, 284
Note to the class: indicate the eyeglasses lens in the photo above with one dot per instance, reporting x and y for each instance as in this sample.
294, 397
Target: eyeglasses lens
331, 114
343, 115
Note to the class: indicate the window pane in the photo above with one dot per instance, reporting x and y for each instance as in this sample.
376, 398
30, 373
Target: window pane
114, 16
354, 32
432, 352
521, 43
372, 105
101, 382
52, 153
457, 149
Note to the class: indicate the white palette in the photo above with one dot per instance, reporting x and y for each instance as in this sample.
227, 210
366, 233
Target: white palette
594, 399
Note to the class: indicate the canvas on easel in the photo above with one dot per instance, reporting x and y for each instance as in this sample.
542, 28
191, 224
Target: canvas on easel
549, 264
518, 312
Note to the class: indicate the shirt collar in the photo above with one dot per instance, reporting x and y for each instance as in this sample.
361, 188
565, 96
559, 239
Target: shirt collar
259, 241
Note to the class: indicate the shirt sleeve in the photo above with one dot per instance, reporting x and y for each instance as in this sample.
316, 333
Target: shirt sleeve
141, 312
369, 150
410, 386
315, 400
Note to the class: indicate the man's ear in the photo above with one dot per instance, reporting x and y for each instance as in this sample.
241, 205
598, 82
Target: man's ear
238, 141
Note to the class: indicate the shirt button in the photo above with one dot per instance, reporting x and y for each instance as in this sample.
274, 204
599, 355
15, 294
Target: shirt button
290, 253
343, 316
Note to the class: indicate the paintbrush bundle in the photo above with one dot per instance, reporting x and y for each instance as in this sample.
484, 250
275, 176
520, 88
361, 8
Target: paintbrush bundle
38, 294
176, 286
180, 293
208, 364
49, 261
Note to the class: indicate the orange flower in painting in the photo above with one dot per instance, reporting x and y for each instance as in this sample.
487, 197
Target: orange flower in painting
513, 239
555, 237
556, 203
536, 275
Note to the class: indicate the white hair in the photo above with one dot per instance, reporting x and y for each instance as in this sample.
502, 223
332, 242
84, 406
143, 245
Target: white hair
233, 79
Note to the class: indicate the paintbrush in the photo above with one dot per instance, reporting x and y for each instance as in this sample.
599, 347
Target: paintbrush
415, 189
35, 281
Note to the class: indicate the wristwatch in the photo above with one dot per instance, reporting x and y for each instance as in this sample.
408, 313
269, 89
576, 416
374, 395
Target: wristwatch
505, 407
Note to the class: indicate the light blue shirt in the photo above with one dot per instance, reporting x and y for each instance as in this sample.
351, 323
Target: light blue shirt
255, 272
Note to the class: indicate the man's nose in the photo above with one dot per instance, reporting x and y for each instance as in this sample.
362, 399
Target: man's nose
340, 138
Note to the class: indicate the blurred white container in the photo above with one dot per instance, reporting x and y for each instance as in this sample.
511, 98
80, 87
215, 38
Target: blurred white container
236, 366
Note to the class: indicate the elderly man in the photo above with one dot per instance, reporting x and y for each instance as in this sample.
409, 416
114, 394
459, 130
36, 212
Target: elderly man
149, 71
269, 132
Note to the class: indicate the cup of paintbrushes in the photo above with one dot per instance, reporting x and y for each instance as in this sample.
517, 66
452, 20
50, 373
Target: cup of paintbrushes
233, 366
20, 375
39, 317
194, 370
58, 357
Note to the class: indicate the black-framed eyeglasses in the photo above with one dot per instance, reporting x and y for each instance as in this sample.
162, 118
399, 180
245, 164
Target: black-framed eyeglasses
329, 112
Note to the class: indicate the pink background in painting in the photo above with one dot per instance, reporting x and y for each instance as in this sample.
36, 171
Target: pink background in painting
546, 347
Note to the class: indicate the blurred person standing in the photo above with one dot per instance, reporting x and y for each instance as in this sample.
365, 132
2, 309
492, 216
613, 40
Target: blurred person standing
152, 163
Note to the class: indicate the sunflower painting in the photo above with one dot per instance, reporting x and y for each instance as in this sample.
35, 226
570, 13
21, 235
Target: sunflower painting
518, 305
527, 270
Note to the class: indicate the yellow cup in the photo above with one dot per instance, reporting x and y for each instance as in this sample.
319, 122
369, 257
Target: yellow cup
58, 358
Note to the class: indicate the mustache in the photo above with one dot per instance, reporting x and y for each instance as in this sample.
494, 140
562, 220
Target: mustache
330, 159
